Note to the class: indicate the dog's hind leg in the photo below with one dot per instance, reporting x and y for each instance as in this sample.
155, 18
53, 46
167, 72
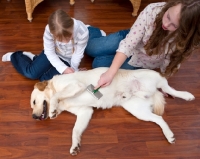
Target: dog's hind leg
163, 84
84, 115
142, 110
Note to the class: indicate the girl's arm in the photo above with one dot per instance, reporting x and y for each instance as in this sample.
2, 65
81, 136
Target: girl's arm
107, 77
117, 62
126, 47
136, 35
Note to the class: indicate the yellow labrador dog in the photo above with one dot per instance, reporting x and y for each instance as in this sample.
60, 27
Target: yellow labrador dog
134, 90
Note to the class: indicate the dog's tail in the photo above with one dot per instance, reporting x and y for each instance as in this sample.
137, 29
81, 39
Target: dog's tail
159, 103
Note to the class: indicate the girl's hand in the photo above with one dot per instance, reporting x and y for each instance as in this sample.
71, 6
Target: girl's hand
68, 70
105, 79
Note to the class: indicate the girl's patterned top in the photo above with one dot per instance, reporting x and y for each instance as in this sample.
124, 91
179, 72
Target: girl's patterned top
133, 44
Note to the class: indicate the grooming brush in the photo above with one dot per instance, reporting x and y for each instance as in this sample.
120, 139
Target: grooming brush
94, 92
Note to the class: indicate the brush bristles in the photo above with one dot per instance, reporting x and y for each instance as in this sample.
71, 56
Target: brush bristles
92, 93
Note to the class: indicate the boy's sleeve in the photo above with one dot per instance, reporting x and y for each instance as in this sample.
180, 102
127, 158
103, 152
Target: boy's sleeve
49, 51
79, 48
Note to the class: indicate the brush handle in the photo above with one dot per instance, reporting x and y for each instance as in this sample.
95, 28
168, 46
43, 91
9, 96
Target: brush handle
94, 91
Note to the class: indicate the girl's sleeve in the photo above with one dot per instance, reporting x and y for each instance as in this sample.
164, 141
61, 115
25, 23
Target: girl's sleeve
79, 48
134, 37
49, 51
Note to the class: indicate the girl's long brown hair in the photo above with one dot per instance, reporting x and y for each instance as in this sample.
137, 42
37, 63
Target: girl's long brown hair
185, 39
60, 25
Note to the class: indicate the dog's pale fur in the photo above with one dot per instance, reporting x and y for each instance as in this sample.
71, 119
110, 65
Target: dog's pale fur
136, 91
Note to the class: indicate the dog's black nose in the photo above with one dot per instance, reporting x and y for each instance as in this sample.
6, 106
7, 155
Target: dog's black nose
35, 116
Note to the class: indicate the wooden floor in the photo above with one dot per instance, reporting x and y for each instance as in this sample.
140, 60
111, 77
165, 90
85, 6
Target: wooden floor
111, 134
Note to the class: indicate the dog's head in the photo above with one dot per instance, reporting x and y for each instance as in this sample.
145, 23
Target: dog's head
40, 101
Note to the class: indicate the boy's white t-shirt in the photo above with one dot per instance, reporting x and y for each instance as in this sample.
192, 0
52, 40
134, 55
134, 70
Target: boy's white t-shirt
54, 50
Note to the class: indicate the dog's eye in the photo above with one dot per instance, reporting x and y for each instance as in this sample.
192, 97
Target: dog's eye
34, 102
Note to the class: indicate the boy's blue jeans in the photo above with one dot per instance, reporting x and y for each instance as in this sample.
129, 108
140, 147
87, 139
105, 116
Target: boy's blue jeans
103, 48
40, 68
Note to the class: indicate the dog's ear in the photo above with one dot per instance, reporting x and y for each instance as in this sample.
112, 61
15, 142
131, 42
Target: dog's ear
41, 85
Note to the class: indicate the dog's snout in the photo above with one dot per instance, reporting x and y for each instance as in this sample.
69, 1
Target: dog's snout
35, 116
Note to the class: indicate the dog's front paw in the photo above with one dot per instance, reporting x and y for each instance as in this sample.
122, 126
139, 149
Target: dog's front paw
74, 150
171, 139
53, 113
188, 96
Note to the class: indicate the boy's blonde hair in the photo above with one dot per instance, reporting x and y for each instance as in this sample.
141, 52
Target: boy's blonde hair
60, 25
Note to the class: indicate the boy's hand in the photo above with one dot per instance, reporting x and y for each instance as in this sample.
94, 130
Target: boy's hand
83, 69
68, 70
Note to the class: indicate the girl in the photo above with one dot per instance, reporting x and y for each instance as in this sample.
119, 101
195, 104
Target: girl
163, 36
65, 39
